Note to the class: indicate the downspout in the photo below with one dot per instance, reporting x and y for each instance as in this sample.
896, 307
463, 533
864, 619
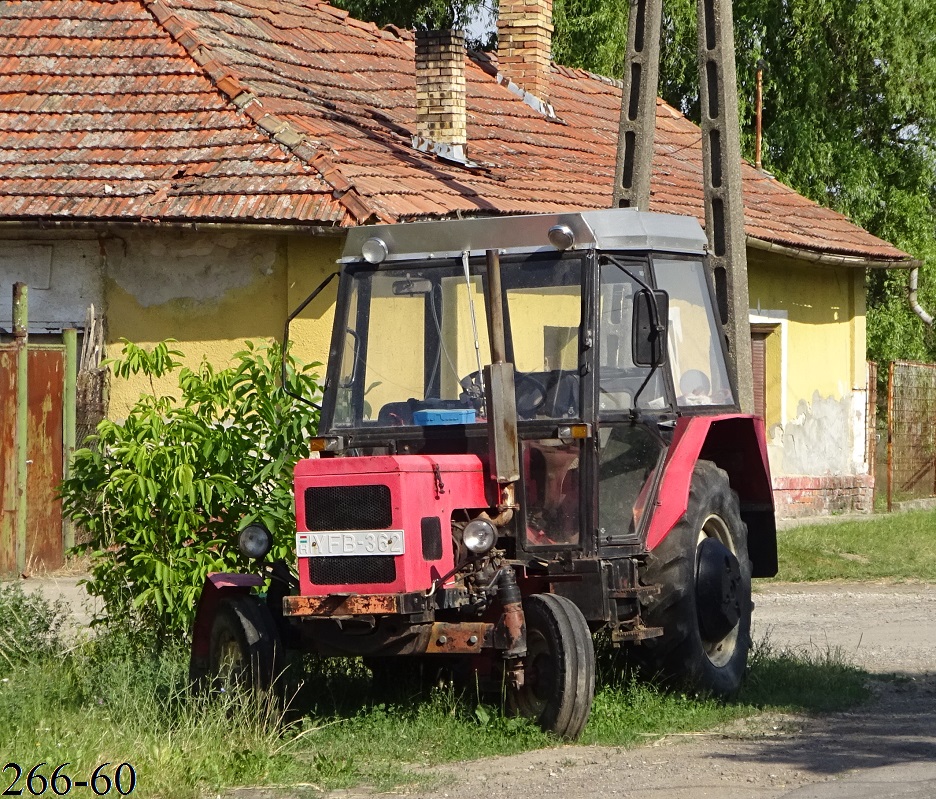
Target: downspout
912, 297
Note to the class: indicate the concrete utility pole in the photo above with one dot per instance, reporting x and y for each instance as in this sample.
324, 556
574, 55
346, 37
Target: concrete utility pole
724, 203
637, 124
721, 156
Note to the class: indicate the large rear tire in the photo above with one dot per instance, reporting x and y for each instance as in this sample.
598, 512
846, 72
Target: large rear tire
559, 668
244, 646
704, 604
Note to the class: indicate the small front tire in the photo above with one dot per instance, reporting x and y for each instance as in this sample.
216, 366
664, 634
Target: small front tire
559, 668
244, 646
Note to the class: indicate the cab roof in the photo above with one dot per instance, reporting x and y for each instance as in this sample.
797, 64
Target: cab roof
615, 229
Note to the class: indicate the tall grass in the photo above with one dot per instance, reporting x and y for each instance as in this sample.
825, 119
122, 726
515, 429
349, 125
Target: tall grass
113, 698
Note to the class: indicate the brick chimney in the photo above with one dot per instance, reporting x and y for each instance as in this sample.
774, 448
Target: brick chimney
441, 122
524, 44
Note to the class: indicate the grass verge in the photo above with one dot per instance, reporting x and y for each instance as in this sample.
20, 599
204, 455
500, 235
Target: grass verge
121, 700
899, 546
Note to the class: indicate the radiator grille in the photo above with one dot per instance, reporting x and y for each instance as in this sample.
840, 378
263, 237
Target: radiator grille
352, 570
348, 508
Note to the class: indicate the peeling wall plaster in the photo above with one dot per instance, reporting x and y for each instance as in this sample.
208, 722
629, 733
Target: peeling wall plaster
158, 268
819, 440
63, 276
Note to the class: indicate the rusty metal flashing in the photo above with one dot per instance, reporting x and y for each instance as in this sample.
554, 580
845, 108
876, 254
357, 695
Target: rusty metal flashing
830, 259
538, 105
453, 153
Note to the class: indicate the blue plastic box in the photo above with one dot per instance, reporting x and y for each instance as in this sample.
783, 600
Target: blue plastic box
426, 418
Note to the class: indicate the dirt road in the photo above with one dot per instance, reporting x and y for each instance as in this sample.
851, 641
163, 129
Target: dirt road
885, 750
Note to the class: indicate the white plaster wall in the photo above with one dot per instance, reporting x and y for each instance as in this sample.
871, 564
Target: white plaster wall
63, 275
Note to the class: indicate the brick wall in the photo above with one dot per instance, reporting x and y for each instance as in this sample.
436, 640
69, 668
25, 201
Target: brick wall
524, 44
440, 87
811, 496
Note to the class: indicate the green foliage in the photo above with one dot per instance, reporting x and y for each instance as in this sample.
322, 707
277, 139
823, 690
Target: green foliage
163, 494
849, 117
420, 14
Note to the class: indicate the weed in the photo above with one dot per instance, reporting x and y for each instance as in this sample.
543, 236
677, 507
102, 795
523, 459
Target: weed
32, 627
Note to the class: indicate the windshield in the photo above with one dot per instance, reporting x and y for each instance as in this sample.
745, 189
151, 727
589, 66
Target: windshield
416, 339
695, 354
621, 383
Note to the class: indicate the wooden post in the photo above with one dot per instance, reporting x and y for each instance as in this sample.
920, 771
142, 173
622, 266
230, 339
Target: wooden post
70, 337
20, 443
890, 438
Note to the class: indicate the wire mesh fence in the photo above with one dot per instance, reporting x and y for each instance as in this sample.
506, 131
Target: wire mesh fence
911, 431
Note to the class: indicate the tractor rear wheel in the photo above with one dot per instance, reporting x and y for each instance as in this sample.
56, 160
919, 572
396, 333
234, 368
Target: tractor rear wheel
244, 646
559, 668
704, 604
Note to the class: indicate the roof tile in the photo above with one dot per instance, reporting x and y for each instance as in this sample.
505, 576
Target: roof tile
125, 109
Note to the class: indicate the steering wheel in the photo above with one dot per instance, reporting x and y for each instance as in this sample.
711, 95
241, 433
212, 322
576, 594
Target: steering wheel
531, 393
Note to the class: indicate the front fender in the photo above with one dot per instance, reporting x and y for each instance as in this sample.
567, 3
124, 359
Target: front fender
736, 443
217, 586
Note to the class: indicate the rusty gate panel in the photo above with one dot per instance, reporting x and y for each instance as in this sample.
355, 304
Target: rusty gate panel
7, 460
45, 447
911, 431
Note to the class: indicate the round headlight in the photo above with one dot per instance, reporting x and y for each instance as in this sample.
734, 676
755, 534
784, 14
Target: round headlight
255, 541
561, 237
479, 536
374, 250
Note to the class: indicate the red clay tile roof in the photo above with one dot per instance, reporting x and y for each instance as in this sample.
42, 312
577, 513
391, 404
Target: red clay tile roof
289, 111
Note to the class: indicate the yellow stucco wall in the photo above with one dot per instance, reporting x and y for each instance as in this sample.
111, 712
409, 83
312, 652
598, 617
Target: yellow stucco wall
212, 292
825, 312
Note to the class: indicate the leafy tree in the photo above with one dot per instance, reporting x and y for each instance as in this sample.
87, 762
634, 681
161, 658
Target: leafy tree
163, 494
849, 116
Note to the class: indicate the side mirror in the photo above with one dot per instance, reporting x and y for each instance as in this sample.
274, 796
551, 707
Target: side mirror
651, 314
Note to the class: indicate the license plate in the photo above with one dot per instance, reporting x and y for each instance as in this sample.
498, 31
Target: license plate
349, 542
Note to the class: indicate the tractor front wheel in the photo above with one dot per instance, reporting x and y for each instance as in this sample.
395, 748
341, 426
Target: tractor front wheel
704, 604
244, 645
559, 668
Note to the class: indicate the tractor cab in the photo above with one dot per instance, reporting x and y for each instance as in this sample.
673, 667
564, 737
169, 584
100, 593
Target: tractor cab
610, 324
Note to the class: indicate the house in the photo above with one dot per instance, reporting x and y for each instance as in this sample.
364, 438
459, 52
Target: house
190, 167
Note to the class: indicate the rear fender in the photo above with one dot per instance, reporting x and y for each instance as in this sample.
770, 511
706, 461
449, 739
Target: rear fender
217, 586
736, 443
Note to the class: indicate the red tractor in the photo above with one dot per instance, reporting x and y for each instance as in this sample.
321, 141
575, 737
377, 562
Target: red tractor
528, 435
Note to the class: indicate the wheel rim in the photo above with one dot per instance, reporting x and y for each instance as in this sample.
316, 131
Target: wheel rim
539, 674
719, 649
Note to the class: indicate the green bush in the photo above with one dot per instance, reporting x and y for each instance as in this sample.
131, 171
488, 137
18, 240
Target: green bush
163, 494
